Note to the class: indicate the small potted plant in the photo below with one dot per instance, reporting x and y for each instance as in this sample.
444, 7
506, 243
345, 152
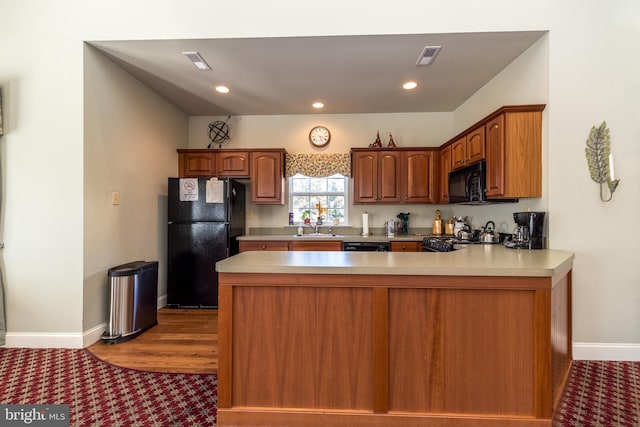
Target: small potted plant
306, 216
336, 216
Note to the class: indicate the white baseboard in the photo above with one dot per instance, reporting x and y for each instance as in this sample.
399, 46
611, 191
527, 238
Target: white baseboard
43, 340
162, 301
606, 351
93, 334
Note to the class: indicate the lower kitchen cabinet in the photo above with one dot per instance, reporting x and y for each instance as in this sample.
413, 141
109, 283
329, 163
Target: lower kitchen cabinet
290, 245
314, 245
406, 246
264, 245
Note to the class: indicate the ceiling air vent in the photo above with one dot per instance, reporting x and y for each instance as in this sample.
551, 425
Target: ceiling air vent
197, 60
428, 55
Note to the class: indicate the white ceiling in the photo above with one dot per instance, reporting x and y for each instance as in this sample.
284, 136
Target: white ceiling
350, 74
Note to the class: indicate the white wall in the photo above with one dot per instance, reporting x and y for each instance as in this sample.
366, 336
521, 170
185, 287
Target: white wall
584, 92
593, 69
42, 187
131, 136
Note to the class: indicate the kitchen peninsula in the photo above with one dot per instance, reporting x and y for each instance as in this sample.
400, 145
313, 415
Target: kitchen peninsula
476, 337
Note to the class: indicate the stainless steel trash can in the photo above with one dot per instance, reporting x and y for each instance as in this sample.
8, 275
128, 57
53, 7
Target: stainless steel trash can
133, 299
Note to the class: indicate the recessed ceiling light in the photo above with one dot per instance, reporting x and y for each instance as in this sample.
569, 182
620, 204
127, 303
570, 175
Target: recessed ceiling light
409, 85
197, 60
222, 89
428, 55
317, 105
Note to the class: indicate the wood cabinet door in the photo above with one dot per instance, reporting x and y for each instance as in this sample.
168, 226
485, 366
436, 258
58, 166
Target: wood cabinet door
233, 164
389, 178
445, 168
307, 245
365, 177
263, 245
417, 176
196, 164
267, 177
495, 152
459, 153
475, 145
406, 246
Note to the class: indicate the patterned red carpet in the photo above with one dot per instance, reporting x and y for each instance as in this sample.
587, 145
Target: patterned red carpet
603, 394
100, 394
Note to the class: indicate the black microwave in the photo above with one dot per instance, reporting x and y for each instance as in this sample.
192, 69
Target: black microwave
468, 186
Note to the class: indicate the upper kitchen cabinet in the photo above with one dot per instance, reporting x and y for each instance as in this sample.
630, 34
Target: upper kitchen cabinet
514, 152
445, 168
196, 163
468, 148
417, 171
267, 176
376, 176
233, 164
210, 163
393, 175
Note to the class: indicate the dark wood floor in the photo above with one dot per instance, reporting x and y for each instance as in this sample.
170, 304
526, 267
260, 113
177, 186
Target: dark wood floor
184, 341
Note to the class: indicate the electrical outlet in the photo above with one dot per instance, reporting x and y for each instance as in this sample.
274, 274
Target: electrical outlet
115, 198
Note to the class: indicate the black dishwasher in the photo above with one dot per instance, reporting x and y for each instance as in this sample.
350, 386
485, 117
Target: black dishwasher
365, 246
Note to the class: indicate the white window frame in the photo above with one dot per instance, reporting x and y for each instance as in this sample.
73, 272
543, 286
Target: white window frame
328, 219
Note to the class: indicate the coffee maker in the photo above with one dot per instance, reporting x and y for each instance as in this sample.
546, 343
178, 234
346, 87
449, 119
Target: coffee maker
528, 231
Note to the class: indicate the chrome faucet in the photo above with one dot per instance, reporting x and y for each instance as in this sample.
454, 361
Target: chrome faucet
315, 227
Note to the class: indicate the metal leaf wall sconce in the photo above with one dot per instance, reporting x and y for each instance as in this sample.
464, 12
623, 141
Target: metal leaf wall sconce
600, 159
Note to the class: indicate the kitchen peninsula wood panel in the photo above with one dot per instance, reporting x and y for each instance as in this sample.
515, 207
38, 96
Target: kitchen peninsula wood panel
392, 350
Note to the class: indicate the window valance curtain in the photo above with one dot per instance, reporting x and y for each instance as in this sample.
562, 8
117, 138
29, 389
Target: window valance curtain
318, 165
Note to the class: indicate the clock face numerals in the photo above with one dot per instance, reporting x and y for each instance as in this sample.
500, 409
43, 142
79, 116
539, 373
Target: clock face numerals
319, 136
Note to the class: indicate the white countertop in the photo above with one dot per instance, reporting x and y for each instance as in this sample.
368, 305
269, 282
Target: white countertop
468, 260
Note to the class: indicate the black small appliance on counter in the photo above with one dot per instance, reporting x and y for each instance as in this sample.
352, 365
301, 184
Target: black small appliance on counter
437, 244
528, 233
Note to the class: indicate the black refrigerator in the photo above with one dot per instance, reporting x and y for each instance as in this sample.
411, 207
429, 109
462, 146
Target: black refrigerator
205, 216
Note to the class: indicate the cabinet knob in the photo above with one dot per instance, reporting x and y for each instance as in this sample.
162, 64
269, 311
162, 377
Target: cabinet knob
264, 246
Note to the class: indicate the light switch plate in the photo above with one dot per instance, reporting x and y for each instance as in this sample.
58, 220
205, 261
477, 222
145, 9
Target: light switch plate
115, 198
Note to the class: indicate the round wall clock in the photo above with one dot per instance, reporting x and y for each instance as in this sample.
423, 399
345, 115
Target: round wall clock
319, 136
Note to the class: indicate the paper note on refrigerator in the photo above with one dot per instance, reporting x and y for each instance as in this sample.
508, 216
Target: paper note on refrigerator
188, 189
215, 191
